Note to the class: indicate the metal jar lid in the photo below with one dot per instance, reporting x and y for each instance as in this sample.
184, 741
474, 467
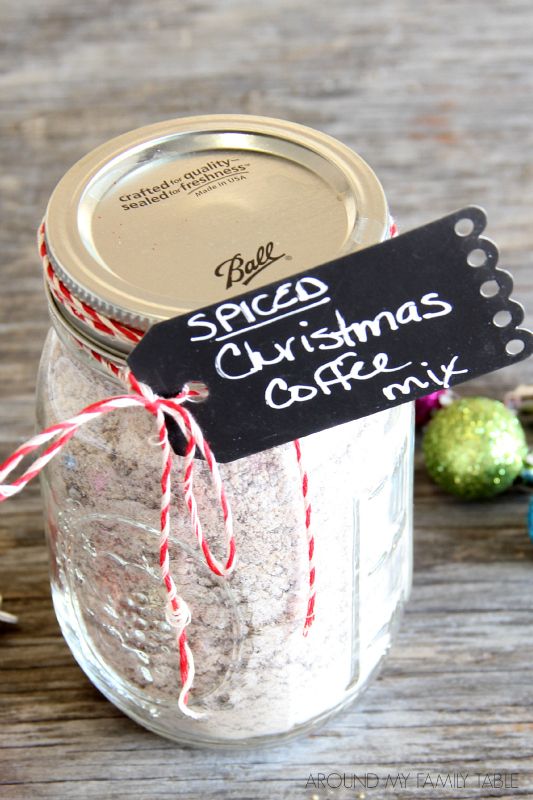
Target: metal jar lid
184, 213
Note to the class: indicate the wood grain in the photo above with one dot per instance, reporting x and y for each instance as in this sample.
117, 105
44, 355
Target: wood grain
437, 97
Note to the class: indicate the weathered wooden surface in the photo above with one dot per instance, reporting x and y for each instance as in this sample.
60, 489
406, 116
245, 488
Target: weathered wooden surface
437, 97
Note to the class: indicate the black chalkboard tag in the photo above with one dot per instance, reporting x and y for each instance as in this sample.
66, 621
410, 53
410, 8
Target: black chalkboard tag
373, 329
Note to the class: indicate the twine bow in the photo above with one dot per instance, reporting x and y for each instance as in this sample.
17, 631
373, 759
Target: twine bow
142, 396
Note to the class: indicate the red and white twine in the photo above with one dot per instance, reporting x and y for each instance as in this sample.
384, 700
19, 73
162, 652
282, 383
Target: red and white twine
98, 321
58, 435
310, 616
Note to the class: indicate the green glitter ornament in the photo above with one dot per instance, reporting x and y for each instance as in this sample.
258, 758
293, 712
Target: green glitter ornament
474, 448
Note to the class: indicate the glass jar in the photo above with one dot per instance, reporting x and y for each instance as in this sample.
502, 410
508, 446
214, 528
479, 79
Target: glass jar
257, 677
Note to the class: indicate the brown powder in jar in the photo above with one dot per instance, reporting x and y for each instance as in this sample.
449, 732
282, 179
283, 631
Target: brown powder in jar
256, 674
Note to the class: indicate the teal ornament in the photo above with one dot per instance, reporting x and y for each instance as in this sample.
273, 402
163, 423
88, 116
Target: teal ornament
474, 448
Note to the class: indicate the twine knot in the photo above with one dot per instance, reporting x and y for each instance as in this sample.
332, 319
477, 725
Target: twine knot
140, 394
57, 436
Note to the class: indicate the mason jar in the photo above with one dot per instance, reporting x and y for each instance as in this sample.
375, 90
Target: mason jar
153, 224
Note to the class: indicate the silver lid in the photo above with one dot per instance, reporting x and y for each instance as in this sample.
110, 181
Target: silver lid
184, 213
